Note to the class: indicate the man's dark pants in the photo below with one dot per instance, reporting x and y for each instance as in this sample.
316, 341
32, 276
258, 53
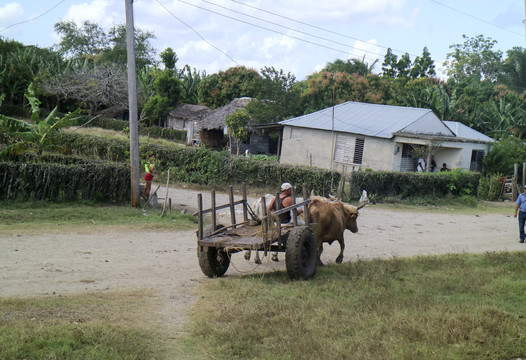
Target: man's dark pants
522, 220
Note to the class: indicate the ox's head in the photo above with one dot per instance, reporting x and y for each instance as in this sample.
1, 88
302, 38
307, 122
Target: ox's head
350, 215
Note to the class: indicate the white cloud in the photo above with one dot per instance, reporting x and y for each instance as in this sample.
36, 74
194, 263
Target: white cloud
10, 13
99, 11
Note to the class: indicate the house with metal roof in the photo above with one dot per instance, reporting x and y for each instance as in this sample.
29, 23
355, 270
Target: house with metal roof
356, 135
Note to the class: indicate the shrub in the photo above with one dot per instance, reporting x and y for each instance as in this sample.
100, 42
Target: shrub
20, 181
385, 184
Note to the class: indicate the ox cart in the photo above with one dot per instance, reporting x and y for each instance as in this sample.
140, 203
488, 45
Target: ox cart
216, 242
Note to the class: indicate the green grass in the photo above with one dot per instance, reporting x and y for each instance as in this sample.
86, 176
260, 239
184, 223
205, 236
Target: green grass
46, 216
92, 326
438, 307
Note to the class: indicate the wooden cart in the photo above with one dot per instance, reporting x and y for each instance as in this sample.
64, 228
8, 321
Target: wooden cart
216, 242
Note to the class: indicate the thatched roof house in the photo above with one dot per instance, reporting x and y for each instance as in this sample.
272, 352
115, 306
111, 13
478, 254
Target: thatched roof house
216, 119
179, 117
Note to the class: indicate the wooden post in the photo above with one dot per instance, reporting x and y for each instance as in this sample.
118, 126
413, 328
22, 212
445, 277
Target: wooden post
200, 216
523, 174
245, 210
213, 206
306, 207
295, 210
514, 192
232, 206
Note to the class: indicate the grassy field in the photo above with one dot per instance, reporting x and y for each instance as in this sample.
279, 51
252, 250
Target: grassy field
436, 307
47, 216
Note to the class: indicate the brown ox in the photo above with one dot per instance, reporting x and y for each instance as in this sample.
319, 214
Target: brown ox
330, 219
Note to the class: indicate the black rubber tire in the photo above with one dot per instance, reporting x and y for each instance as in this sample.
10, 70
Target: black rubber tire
214, 262
301, 253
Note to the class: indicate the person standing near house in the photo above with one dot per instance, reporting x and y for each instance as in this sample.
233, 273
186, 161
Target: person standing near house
149, 168
444, 167
521, 208
432, 164
421, 166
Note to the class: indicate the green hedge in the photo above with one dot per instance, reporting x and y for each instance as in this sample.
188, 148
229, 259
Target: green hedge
383, 184
102, 182
198, 165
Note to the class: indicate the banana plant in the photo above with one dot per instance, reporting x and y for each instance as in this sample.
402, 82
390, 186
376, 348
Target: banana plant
37, 135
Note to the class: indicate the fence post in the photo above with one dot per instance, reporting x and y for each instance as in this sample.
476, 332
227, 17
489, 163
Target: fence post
514, 193
523, 173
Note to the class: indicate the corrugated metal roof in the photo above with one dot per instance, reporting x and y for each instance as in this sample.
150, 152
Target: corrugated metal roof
465, 132
371, 120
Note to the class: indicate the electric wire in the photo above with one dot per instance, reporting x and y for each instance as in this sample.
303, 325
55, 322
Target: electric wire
36, 17
476, 18
271, 30
319, 28
191, 28
288, 28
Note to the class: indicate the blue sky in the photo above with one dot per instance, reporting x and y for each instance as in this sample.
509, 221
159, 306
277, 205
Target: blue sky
298, 36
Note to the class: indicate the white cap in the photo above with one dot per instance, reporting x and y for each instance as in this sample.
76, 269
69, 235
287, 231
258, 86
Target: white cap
285, 186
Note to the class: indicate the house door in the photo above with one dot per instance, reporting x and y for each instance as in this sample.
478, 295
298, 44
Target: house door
407, 163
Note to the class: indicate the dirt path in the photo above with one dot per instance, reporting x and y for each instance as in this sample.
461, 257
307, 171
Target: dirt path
166, 261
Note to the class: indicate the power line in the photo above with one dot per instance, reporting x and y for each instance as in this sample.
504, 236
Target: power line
476, 18
288, 28
319, 28
36, 17
188, 26
267, 29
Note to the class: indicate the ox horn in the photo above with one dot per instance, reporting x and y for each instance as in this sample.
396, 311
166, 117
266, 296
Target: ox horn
361, 206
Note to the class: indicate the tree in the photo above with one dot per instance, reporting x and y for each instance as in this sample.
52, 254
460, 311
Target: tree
389, 66
19, 65
514, 70
91, 41
144, 51
351, 66
474, 58
403, 66
503, 154
36, 136
169, 58
190, 81
220, 89
237, 124
164, 96
85, 41
94, 85
278, 97
423, 66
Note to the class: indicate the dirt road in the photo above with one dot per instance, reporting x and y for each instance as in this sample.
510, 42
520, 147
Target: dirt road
33, 264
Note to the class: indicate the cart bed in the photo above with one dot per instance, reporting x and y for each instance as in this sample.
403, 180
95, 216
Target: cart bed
245, 237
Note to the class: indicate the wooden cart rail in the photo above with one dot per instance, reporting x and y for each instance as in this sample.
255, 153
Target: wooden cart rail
232, 204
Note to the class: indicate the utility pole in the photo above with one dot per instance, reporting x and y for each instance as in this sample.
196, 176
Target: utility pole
132, 98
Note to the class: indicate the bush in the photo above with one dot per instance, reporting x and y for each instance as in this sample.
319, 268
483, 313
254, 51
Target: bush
20, 181
385, 184
490, 187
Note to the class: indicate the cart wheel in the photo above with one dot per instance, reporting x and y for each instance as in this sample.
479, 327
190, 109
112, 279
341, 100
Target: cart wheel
214, 262
301, 253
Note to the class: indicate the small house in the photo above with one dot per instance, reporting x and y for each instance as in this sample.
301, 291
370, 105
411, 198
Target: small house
356, 135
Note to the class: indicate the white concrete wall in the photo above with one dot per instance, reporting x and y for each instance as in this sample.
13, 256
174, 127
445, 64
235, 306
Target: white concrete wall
310, 147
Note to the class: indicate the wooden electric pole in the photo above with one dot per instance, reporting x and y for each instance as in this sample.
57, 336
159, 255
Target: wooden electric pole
132, 98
